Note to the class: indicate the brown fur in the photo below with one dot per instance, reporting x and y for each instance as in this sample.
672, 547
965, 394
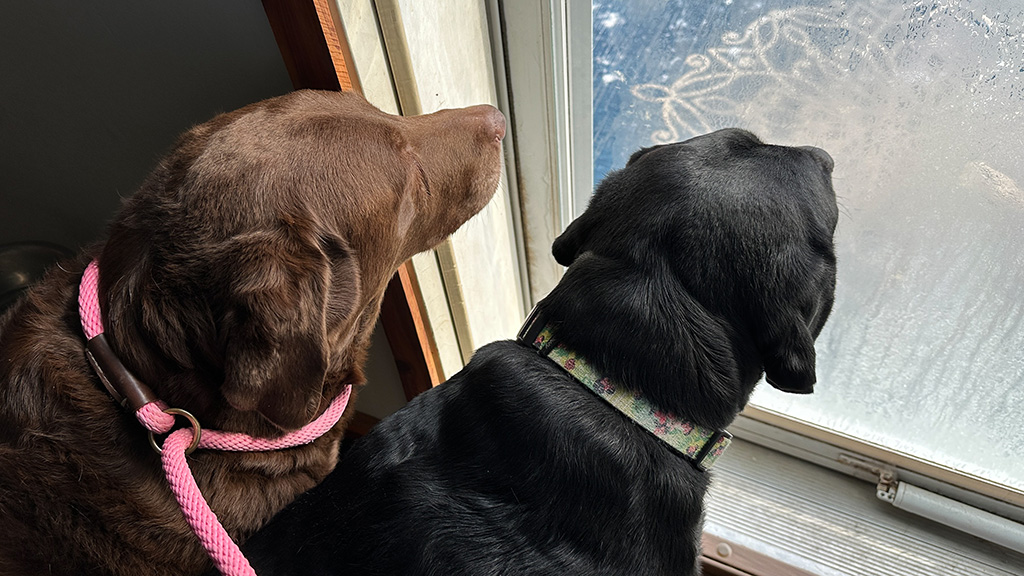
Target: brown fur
241, 283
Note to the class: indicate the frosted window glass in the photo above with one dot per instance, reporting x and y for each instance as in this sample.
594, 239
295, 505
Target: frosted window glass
922, 106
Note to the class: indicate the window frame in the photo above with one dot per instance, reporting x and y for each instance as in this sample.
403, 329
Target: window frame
550, 112
867, 461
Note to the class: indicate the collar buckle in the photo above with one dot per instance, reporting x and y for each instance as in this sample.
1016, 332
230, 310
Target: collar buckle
532, 328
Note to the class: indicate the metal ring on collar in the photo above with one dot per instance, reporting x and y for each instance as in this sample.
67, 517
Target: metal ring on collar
197, 431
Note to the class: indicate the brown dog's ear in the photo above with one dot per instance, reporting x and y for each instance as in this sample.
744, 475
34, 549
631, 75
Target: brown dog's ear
275, 326
789, 361
569, 243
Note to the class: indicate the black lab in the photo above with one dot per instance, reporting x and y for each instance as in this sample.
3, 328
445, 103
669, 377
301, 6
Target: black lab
696, 269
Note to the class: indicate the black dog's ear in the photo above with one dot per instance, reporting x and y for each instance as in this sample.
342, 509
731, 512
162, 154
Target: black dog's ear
794, 317
275, 326
568, 245
789, 357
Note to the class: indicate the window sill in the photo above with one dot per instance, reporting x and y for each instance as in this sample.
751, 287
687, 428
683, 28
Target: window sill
827, 523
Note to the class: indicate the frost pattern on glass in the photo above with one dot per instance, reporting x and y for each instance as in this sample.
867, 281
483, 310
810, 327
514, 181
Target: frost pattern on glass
922, 106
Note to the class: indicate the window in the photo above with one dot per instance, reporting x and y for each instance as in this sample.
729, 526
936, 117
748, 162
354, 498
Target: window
922, 105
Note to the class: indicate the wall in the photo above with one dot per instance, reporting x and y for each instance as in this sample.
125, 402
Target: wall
93, 93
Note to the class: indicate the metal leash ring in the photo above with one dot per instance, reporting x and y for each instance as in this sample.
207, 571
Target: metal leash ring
197, 431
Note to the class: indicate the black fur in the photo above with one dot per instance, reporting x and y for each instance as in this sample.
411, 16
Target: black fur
697, 268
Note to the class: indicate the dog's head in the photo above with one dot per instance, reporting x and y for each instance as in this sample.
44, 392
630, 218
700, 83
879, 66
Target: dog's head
745, 228
247, 272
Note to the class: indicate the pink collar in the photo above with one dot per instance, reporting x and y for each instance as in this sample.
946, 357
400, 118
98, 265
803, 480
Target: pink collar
158, 418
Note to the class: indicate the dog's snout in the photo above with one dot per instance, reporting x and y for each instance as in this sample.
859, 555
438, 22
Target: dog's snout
492, 120
821, 156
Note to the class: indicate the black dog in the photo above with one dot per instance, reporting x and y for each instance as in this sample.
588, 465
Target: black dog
697, 268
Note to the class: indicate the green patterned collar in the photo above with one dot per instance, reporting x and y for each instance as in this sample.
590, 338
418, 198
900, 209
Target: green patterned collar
698, 444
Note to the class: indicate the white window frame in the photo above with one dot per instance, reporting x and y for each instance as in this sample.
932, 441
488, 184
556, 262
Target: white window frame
550, 108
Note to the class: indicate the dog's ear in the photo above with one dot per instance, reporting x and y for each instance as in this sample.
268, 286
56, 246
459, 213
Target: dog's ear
789, 359
788, 349
275, 322
569, 244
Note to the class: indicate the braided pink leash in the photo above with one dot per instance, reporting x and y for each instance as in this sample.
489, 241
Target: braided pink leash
159, 419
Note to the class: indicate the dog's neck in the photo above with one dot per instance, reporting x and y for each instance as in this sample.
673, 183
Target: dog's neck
648, 333
181, 365
700, 445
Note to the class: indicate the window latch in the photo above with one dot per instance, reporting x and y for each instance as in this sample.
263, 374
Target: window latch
887, 480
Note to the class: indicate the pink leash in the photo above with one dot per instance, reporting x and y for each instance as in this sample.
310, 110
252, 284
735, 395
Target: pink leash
159, 419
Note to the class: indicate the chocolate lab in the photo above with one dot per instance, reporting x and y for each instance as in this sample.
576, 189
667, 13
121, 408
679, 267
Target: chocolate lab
583, 448
241, 283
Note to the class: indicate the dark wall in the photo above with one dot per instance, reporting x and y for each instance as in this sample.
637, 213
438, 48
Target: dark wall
93, 93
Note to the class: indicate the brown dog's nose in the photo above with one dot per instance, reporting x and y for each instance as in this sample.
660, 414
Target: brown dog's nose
499, 124
492, 119
821, 156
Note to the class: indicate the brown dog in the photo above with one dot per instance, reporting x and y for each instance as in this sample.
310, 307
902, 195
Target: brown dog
240, 283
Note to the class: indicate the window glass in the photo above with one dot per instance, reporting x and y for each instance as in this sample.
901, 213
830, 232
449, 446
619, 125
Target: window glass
922, 106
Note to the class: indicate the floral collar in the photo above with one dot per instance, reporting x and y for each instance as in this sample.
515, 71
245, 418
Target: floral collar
698, 444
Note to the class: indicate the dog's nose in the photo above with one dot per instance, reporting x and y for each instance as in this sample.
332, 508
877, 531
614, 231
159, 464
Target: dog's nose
492, 119
821, 156
497, 123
